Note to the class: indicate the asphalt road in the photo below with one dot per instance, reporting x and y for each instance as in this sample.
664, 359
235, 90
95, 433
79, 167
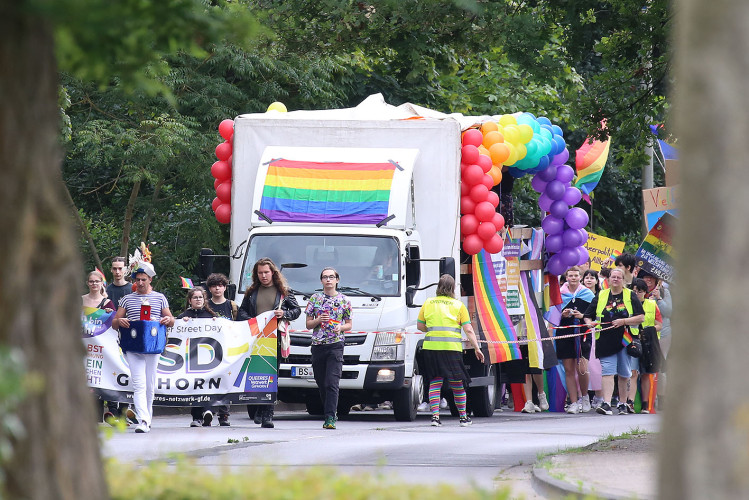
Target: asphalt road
493, 452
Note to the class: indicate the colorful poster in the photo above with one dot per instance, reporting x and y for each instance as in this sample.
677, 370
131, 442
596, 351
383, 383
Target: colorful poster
655, 254
601, 248
206, 362
659, 201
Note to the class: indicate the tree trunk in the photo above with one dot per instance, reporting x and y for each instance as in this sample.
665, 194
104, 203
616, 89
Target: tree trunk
128, 222
58, 454
84, 229
705, 434
149, 213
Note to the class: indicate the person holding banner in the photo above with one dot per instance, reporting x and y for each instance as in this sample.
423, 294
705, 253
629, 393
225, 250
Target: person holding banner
143, 304
268, 292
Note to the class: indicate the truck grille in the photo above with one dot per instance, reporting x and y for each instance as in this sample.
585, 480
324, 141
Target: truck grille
306, 340
306, 359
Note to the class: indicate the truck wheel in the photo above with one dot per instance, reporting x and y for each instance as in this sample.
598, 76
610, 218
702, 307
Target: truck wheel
481, 399
251, 410
314, 406
408, 399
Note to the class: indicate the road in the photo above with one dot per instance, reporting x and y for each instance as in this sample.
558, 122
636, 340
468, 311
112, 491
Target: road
493, 452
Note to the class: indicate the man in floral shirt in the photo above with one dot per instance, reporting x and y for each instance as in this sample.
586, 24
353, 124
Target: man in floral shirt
328, 315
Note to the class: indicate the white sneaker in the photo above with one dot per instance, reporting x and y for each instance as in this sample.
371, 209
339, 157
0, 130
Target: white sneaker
529, 407
443, 403
142, 428
596, 401
423, 407
573, 408
584, 403
543, 403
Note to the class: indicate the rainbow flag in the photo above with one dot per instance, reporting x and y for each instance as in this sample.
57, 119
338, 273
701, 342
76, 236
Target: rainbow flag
627, 337
103, 278
186, 282
589, 162
555, 387
656, 255
552, 298
492, 317
336, 192
540, 354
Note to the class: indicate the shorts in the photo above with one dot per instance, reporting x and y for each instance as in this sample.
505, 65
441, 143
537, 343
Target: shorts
616, 364
634, 364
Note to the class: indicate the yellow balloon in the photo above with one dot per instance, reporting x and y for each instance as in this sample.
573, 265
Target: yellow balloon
512, 134
277, 106
521, 151
513, 155
505, 120
526, 133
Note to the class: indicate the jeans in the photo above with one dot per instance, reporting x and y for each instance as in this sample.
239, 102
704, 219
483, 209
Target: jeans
143, 382
327, 365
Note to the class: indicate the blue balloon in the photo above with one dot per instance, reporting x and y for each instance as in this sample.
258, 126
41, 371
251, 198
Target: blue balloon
543, 163
559, 141
515, 172
542, 120
557, 130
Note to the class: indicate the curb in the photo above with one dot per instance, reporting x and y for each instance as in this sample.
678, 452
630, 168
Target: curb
551, 487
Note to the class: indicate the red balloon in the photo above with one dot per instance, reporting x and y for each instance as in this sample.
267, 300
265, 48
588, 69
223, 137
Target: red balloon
221, 170
223, 151
226, 129
215, 204
479, 192
494, 245
492, 198
487, 181
485, 163
467, 205
484, 211
498, 221
217, 183
465, 189
473, 136
469, 154
468, 224
472, 244
223, 213
473, 175
223, 191
486, 231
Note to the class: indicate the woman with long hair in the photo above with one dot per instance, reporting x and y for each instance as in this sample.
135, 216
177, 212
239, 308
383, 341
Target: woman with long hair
96, 296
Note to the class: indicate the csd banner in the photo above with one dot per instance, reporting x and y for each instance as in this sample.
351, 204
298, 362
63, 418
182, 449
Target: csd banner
206, 361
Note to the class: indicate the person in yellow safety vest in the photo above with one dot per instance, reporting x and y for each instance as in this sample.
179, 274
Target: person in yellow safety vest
613, 309
652, 320
442, 318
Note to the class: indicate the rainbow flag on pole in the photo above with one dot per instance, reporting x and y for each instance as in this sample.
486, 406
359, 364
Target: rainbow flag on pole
335, 192
589, 162
492, 317
186, 282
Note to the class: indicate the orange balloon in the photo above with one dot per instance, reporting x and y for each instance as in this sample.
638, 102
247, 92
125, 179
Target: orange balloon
492, 138
496, 174
487, 127
484, 151
499, 153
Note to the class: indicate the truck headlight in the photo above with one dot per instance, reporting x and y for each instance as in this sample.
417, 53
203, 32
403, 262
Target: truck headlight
389, 346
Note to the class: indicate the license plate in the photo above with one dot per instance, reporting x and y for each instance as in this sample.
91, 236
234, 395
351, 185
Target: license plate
302, 371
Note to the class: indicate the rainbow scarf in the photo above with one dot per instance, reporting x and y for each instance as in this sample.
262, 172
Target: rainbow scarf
336, 192
492, 317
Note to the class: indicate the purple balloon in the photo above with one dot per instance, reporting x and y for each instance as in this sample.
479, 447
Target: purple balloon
572, 196
569, 256
544, 202
554, 243
555, 190
538, 184
555, 265
549, 174
562, 157
572, 238
559, 209
585, 236
552, 225
565, 174
577, 218
584, 256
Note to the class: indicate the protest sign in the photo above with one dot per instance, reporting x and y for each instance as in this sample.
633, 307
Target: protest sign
601, 248
655, 254
659, 201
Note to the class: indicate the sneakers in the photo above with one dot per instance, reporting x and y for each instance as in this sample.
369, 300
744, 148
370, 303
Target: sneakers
604, 409
196, 423
329, 423
584, 404
630, 406
622, 408
143, 427
357, 408
596, 401
423, 407
110, 419
130, 417
387, 405
207, 418
443, 404
530, 407
465, 421
645, 410
573, 408
543, 403
223, 421
436, 421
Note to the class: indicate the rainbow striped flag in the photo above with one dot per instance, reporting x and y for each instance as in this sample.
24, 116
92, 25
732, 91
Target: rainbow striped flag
336, 192
540, 354
589, 162
186, 282
491, 311
627, 337
103, 278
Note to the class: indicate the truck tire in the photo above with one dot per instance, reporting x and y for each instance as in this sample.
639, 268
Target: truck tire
314, 406
251, 410
481, 399
408, 399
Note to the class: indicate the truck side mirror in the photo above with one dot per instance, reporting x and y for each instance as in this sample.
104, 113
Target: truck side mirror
231, 291
205, 263
410, 293
447, 266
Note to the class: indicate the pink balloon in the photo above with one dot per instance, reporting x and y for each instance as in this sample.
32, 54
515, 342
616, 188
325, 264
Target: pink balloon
226, 129
498, 220
223, 213
472, 244
469, 154
494, 245
223, 191
467, 205
473, 136
479, 193
485, 163
223, 151
468, 224
472, 175
493, 198
486, 231
487, 181
484, 211
465, 189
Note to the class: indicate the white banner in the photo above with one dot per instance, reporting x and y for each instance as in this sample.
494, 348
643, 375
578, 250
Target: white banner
206, 361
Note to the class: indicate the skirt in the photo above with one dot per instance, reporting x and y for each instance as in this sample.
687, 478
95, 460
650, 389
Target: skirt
446, 364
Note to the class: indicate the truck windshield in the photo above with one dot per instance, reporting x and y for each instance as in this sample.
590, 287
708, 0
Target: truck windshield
369, 263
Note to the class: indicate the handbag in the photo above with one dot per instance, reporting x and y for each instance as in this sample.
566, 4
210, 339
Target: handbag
634, 349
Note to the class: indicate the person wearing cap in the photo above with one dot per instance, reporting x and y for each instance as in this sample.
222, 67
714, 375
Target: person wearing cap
143, 366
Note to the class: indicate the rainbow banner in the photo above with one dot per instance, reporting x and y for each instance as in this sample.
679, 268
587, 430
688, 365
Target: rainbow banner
96, 321
627, 337
589, 162
492, 317
336, 192
541, 354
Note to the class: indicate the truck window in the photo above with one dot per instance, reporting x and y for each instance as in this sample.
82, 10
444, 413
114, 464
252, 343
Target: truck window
370, 263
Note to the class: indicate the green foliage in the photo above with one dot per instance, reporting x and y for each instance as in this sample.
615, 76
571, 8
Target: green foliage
162, 481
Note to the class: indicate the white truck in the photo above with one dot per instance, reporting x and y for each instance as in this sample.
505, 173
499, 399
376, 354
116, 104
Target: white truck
390, 249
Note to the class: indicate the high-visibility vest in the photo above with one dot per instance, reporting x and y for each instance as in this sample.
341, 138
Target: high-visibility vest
603, 299
443, 329
649, 306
